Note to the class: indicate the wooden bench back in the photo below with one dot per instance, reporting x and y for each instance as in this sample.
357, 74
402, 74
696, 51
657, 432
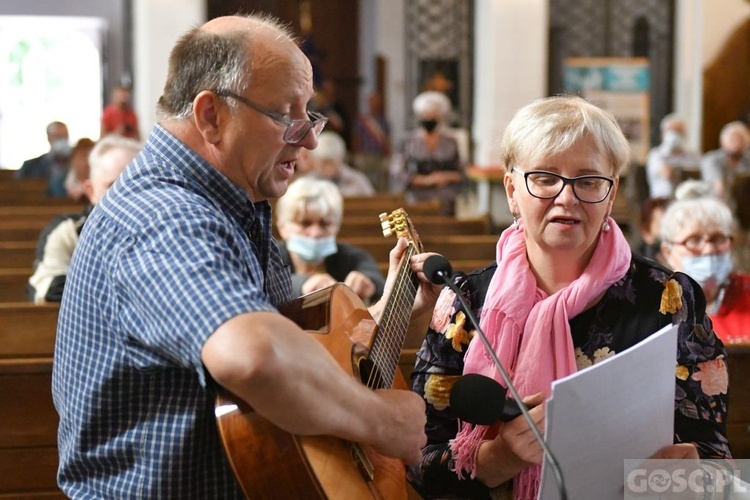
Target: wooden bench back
13, 284
17, 254
27, 330
28, 419
738, 421
473, 247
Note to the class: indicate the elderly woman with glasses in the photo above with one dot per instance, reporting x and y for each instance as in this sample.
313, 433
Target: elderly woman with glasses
564, 293
697, 240
308, 218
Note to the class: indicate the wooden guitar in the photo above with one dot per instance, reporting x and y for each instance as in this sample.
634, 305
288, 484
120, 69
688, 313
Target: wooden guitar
271, 463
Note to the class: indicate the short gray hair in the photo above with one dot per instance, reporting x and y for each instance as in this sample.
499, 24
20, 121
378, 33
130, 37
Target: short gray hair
330, 146
204, 60
692, 188
107, 144
708, 212
551, 125
431, 101
731, 128
311, 195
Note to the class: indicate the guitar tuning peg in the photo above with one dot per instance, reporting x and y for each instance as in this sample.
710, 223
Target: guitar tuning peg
387, 229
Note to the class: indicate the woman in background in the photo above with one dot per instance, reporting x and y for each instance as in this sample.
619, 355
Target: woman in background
308, 218
428, 165
697, 236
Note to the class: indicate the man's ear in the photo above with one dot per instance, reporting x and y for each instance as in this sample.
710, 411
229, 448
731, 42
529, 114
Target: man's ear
210, 115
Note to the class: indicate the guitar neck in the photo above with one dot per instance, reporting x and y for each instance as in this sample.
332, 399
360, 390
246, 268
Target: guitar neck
386, 347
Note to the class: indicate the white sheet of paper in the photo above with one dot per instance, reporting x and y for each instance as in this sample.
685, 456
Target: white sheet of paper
620, 408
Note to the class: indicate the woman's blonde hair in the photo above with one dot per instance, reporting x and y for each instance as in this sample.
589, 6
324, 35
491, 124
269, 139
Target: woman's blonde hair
554, 124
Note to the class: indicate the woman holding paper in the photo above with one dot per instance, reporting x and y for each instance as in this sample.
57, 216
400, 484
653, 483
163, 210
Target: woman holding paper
564, 293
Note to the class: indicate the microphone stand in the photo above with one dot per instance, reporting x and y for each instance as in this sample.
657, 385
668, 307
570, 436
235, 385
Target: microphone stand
551, 460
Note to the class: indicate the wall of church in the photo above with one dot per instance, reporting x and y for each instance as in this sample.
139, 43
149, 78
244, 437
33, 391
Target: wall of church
510, 43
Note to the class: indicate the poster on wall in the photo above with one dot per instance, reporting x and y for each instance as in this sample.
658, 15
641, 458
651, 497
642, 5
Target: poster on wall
621, 86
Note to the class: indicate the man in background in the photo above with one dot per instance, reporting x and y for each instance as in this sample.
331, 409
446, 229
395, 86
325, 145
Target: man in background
52, 165
58, 240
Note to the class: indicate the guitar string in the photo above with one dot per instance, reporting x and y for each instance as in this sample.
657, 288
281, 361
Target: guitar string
387, 324
386, 348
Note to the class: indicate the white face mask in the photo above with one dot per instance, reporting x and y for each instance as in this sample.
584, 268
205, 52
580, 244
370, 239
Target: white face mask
312, 250
672, 141
61, 147
708, 270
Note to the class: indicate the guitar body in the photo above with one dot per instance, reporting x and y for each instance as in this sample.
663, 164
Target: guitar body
271, 463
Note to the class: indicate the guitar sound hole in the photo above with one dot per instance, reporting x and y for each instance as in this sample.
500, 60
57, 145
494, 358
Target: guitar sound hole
369, 374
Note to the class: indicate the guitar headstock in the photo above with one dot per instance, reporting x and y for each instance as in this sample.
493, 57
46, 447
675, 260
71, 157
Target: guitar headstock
398, 224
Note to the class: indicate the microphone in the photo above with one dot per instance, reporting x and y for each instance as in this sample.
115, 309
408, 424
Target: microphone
439, 271
481, 400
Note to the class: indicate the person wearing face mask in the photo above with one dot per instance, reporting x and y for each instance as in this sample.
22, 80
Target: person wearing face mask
722, 166
696, 235
308, 218
428, 165
52, 165
671, 160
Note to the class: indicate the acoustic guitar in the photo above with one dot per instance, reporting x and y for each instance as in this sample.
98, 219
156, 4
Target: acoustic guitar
271, 463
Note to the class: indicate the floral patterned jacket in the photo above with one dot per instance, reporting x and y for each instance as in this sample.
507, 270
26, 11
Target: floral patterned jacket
630, 310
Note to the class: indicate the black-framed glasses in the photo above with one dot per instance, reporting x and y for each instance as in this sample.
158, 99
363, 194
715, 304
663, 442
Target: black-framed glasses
696, 243
587, 188
296, 130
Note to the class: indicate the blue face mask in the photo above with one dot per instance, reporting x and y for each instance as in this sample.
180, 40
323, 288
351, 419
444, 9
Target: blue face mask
708, 269
312, 250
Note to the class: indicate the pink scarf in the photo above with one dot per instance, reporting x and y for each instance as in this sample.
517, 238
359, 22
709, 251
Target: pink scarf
530, 333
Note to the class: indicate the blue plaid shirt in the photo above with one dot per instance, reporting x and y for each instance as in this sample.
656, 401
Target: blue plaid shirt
171, 252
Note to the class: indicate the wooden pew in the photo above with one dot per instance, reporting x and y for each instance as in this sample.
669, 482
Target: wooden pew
28, 420
28, 192
13, 284
38, 215
472, 247
22, 230
17, 254
738, 421
27, 330
28, 435
375, 206
358, 225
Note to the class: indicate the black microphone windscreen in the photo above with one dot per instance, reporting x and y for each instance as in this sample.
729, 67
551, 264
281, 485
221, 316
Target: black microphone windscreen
477, 399
437, 269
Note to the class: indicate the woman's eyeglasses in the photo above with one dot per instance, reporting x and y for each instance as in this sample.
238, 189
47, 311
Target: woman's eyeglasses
296, 130
587, 188
696, 243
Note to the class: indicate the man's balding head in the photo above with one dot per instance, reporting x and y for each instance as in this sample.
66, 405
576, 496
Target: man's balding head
218, 55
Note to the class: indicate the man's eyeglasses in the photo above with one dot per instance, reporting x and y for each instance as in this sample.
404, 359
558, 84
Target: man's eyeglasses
296, 130
696, 243
587, 188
